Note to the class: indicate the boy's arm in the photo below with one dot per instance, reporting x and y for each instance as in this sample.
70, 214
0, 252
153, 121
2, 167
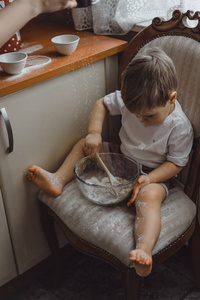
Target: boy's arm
164, 172
93, 139
97, 117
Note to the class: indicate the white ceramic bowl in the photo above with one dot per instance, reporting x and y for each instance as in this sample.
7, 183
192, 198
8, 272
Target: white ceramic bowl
13, 62
94, 184
65, 44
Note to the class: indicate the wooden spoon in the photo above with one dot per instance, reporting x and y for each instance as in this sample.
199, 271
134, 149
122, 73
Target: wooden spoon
112, 179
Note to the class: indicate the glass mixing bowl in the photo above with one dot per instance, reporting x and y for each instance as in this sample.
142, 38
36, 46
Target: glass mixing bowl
94, 183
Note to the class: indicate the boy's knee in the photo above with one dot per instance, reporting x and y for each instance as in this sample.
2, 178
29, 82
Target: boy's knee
150, 193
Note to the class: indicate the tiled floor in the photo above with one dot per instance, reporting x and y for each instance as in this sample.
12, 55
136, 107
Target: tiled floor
85, 278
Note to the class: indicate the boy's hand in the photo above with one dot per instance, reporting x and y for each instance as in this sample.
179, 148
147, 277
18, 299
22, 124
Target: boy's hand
142, 181
92, 143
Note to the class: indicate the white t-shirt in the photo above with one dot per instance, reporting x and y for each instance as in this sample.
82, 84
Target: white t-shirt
153, 144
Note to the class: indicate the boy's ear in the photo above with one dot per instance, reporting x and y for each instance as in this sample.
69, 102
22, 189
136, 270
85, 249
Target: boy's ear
172, 97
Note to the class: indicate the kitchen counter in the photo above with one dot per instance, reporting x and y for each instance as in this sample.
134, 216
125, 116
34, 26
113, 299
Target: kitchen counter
44, 62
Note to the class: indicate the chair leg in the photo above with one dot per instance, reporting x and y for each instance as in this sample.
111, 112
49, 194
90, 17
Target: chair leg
195, 243
132, 283
51, 236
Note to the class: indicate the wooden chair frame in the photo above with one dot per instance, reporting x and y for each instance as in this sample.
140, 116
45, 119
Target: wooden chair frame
159, 27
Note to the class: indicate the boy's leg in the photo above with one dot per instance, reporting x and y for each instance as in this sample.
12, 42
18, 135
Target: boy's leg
53, 183
147, 226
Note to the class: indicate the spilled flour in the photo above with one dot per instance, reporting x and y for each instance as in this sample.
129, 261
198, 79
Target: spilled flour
34, 62
104, 194
26, 48
38, 60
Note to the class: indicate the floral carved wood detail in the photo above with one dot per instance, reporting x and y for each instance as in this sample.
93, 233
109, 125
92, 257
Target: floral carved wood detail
178, 21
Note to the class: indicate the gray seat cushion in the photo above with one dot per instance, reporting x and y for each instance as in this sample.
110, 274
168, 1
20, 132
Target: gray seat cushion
112, 228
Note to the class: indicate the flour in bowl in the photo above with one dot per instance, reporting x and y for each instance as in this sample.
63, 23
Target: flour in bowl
101, 192
103, 181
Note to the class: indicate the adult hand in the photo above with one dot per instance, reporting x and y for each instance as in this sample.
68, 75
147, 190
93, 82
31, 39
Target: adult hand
142, 181
54, 5
92, 143
22, 11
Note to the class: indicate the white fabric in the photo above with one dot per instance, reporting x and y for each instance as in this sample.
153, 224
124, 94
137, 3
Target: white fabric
119, 16
190, 4
112, 228
131, 12
151, 145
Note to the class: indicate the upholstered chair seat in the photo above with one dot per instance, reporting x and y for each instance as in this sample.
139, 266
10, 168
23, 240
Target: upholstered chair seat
112, 228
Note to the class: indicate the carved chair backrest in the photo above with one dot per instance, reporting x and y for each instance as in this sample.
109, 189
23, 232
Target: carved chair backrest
182, 44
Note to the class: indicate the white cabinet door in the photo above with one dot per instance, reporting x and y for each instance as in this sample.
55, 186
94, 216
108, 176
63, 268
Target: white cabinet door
7, 263
46, 119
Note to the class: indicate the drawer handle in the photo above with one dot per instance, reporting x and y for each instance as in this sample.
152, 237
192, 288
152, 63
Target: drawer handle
8, 128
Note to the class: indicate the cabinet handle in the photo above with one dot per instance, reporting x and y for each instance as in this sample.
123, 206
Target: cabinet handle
8, 128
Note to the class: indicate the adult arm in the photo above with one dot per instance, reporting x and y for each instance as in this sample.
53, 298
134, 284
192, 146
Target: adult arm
15, 15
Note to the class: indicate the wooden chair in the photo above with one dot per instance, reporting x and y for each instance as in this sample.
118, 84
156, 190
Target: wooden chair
107, 232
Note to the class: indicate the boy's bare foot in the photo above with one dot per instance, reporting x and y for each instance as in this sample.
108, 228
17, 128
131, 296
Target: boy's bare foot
47, 182
142, 262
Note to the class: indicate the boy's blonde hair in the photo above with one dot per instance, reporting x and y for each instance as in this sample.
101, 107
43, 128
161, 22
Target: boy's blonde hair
148, 80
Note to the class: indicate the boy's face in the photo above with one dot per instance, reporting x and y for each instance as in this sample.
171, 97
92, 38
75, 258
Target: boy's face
157, 114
